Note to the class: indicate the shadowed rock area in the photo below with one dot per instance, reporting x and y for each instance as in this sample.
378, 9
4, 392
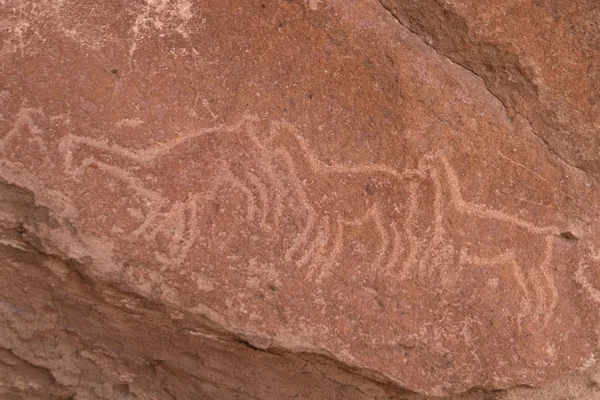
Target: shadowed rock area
318, 199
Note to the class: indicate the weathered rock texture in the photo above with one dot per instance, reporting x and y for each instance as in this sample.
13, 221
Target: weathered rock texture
285, 199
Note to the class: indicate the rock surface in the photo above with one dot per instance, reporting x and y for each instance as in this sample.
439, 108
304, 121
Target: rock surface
321, 199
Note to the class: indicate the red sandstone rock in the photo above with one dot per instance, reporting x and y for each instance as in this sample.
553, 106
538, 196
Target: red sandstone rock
298, 200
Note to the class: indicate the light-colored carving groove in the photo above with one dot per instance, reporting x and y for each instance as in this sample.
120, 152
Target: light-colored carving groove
148, 155
426, 264
373, 215
583, 281
522, 166
263, 195
482, 211
77, 171
411, 259
310, 213
25, 119
397, 249
238, 184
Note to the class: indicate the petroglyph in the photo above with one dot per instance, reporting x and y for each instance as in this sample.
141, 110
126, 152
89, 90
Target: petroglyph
581, 278
174, 222
26, 119
521, 242
423, 225
335, 210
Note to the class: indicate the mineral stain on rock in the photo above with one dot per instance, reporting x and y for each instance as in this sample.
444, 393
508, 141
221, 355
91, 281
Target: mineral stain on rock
298, 199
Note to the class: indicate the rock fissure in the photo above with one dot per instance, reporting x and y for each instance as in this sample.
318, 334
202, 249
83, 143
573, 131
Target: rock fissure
555, 153
509, 110
442, 55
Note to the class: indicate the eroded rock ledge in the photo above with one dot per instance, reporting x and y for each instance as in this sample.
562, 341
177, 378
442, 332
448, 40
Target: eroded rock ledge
322, 199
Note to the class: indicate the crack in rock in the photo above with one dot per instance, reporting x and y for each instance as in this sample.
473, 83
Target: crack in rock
511, 111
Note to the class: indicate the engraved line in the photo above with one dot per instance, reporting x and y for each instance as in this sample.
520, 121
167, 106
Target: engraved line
482, 211
522, 166
24, 119
505, 257
383, 234
238, 184
321, 241
549, 276
149, 154
192, 231
132, 181
337, 249
413, 206
581, 279
263, 195
373, 214
396, 249
520, 277
303, 198
266, 165
438, 229
535, 279
323, 168
312, 248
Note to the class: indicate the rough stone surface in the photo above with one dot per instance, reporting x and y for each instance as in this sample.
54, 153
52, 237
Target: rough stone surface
323, 199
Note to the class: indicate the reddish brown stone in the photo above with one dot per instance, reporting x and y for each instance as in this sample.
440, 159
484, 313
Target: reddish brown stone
298, 199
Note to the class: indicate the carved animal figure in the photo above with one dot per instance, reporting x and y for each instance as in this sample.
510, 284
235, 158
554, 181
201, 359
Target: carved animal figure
420, 218
489, 238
